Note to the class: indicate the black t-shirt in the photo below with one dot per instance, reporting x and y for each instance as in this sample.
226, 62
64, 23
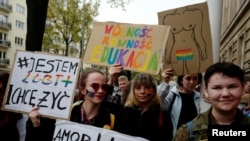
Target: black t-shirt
188, 109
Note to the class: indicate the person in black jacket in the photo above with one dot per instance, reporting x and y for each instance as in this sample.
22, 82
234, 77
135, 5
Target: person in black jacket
142, 114
87, 110
8, 119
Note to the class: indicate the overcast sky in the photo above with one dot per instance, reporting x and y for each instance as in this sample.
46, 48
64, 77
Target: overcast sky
140, 11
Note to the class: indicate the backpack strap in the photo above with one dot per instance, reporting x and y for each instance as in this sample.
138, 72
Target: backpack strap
190, 127
112, 121
171, 104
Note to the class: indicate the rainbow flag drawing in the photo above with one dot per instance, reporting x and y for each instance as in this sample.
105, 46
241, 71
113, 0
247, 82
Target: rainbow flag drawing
184, 54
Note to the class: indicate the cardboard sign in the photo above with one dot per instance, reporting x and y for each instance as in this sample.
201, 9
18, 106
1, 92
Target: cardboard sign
42, 80
136, 47
72, 131
189, 47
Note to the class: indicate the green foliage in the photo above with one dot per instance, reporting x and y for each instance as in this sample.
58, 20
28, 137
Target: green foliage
67, 22
70, 21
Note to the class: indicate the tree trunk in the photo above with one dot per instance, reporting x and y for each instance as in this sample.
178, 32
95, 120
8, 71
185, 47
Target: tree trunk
37, 13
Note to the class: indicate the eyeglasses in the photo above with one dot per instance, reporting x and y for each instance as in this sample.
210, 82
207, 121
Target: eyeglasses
97, 86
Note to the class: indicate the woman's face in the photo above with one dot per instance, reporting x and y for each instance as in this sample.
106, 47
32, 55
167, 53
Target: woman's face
144, 94
96, 88
189, 82
224, 92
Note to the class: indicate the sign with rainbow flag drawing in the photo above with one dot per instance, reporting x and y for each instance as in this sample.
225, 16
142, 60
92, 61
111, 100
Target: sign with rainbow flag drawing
189, 46
47, 81
136, 47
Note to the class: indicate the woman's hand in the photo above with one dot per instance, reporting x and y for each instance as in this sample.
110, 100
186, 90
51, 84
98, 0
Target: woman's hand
167, 73
34, 116
114, 70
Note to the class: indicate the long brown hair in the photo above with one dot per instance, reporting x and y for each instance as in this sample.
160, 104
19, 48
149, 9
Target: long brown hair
145, 80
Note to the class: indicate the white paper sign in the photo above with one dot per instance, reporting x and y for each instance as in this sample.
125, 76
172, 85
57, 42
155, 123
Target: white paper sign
43, 80
72, 131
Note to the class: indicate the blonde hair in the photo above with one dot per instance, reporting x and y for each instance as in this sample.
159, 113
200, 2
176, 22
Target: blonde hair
142, 79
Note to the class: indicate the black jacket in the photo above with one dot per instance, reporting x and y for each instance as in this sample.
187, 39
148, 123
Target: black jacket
154, 124
8, 126
46, 129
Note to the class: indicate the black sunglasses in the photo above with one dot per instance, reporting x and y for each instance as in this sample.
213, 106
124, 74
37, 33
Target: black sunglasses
97, 86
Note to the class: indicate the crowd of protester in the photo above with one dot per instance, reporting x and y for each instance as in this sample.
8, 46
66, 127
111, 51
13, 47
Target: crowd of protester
141, 107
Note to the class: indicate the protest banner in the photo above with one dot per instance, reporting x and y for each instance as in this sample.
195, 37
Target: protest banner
43, 80
189, 47
136, 47
72, 131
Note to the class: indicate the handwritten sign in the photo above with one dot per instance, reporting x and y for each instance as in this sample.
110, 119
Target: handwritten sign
136, 47
71, 131
42, 80
189, 47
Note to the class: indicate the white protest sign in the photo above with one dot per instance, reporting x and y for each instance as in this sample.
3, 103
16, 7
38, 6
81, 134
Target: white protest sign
43, 80
72, 131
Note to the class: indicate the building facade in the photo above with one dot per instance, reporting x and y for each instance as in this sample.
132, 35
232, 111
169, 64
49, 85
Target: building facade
235, 33
13, 16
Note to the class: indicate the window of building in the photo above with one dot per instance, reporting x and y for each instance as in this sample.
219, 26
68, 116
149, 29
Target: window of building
19, 24
4, 1
242, 46
20, 9
2, 54
230, 54
18, 41
3, 36
3, 18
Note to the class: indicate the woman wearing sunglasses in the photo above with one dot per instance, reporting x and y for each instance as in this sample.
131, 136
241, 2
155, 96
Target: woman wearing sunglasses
88, 110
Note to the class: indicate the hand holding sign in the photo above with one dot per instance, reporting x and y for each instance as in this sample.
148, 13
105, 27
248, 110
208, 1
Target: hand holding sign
34, 116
